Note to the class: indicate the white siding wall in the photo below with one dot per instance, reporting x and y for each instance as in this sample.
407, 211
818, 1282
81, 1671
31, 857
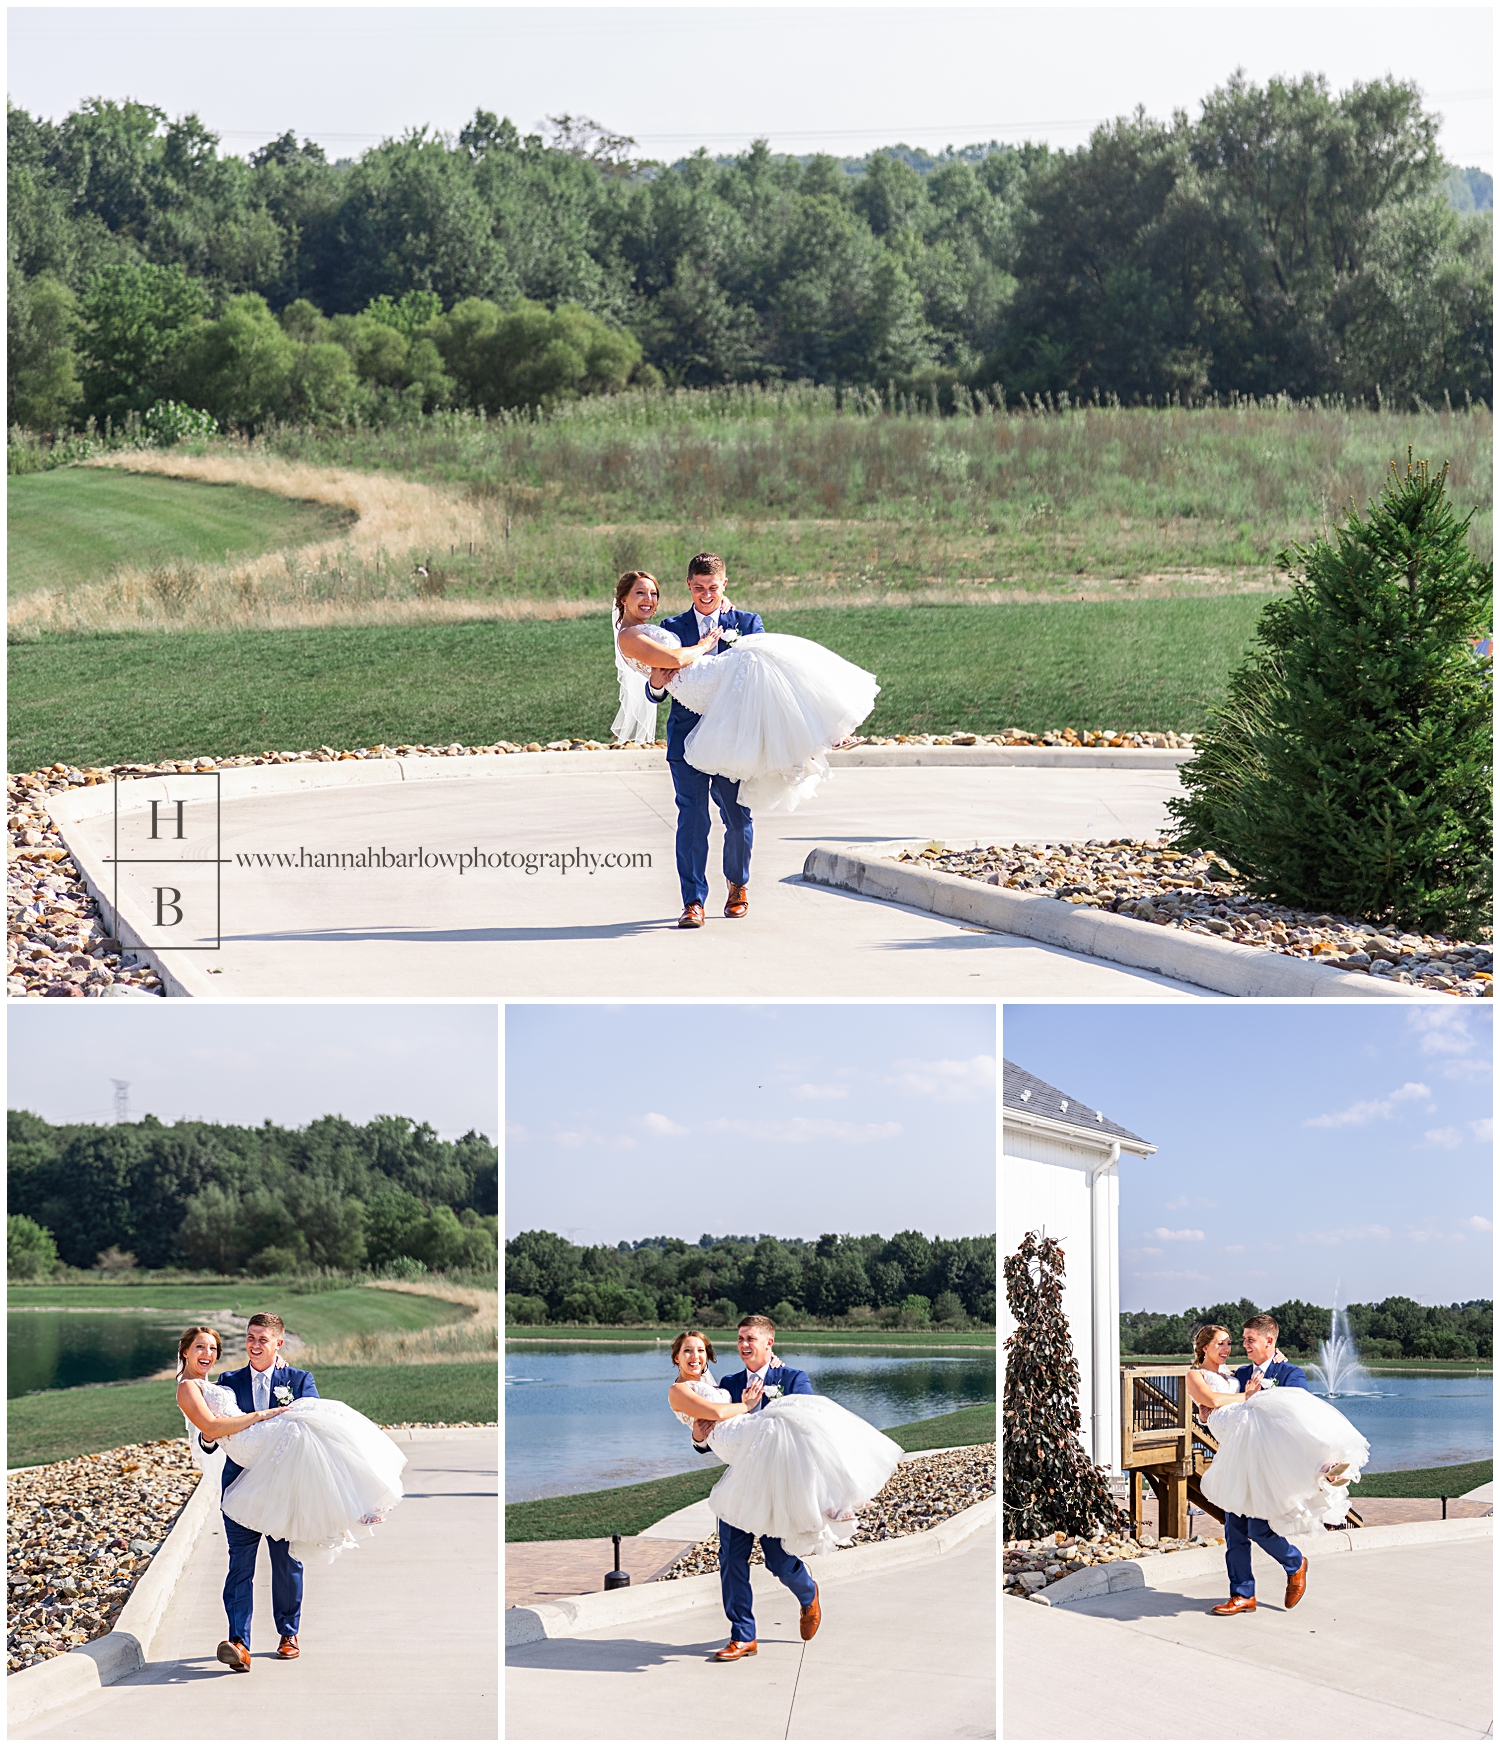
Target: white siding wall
1045, 1188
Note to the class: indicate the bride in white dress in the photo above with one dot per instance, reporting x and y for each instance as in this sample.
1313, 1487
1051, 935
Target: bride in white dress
799, 1468
1284, 1454
772, 704
316, 1473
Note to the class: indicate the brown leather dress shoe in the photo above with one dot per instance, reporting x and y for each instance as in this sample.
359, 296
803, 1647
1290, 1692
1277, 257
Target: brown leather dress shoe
691, 917
738, 901
734, 1650
1237, 1604
233, 1654
287, 1649
812, 1617
1296, 1584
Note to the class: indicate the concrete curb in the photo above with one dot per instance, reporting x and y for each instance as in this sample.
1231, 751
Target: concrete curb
1164, 1570
1220, 965
628, 1607
48, 1686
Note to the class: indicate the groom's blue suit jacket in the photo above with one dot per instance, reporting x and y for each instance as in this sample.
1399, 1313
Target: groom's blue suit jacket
681, 721
282, 1377
786, 1377
1282, 1374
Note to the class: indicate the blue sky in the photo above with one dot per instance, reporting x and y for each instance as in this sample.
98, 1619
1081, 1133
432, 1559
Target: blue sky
841, 78
257, 1061
1298, 1145
625, 1121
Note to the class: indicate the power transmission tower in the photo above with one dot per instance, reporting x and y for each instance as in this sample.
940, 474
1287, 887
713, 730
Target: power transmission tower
122, 1100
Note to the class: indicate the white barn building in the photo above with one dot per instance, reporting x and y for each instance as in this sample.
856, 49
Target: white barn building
1062, 1177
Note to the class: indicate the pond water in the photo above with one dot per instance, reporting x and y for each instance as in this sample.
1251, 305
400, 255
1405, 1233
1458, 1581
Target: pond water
60, 1349
578, 1418
1423, 1422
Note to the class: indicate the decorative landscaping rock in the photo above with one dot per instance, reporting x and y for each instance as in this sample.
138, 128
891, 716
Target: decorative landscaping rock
918, 1496
1030, 1566
1147, 879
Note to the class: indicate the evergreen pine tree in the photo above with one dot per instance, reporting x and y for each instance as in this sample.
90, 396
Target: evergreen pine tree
1050, 1484
1350, 767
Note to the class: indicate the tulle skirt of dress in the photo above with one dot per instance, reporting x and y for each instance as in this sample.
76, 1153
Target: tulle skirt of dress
1270, 1454
318, 1475
772, 707
796, 1466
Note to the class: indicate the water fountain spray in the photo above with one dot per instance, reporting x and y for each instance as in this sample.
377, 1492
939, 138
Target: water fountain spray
1340, 1371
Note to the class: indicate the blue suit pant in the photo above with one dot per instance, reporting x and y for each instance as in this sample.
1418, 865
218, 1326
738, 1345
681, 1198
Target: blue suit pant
1239, 1532
734, 1577
694, 789
239, 1586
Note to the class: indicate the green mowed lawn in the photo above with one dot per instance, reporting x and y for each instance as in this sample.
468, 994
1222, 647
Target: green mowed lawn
73, 1422
1156, 664
318, 1316
626, 1510
1426, 1482
76, 524
790, 1338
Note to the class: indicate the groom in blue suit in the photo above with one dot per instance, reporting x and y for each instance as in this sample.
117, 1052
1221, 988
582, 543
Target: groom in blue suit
265, 1382
695, 788
762, 1371
1265, 1369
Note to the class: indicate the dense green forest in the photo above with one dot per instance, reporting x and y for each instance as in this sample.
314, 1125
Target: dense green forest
267, 1200
908, 1280
1289, 240
1396, 1328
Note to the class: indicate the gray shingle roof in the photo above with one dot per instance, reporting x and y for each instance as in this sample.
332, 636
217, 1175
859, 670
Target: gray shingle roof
1023, 1091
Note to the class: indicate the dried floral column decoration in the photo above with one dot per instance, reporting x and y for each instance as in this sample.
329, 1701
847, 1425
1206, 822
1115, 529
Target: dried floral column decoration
1050, 1484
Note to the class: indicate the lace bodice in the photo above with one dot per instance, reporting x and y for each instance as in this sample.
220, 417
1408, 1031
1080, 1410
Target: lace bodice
655, 634
709, 1390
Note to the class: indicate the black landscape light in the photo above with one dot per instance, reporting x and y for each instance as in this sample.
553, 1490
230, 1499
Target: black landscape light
616, 1579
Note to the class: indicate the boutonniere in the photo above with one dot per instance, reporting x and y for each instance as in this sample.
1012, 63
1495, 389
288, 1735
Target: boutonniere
771, 1391
730, 637
281, 1395
1269, 1383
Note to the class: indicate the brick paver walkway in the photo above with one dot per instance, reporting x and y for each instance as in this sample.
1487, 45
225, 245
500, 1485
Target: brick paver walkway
546, 1570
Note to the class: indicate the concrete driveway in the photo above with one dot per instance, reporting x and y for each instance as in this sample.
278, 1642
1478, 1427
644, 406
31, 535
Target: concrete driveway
1389, 1645
291, 929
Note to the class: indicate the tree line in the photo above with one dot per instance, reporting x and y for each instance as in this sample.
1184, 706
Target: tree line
1290, 240
908, 1280
1395, 1328
334, 1195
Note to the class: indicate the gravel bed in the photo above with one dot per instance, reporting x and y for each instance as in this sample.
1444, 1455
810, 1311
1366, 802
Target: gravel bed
1147, 879
1032, 1566
918, 1496
58, 945
80, 1535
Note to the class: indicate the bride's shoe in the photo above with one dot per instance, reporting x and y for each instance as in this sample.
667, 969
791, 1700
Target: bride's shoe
1334, 1472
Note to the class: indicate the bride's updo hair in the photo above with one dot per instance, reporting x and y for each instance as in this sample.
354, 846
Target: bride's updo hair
627, 581
1209, 1332
189, 1337
686, 1335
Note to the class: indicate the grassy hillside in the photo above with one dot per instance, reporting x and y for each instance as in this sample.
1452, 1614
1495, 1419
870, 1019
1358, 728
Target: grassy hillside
73, 1422
110, 699
626, 1510
790, 1339
74, 526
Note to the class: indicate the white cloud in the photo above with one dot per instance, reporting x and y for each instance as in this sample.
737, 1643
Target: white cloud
796, 1130
1181, 1201
1444, 1137
577, 1137
1369, 1109
1235, 1249
1169, 1274
1131, 1255
1483, 1129
1349, 1234
1471, 1068
1437, 1237
1176, 1237
1477, 1222
821, 1092
1444, 1030
655, 1123
948, 1081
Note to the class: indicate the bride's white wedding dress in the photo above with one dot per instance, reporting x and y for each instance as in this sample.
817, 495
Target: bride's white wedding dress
799, 1467
772, 706
318, 1475
1273, 1453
